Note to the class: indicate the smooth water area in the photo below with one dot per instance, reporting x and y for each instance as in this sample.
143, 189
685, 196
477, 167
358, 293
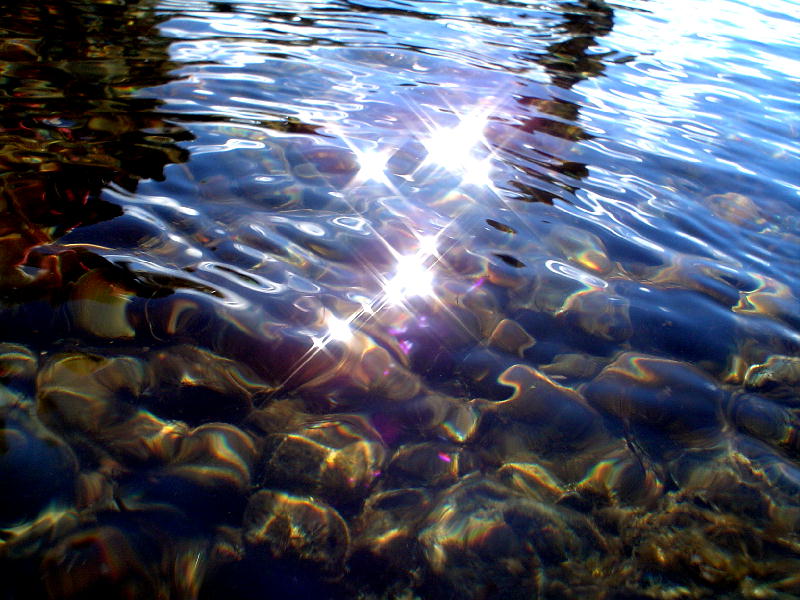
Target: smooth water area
400, 299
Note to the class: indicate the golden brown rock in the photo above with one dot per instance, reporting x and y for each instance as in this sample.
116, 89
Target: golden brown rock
197, 386
385, 532
482, 537
298, 529
428, 464
735, 208
778, 376
99, 306
580, 247
338, 459
18, 366
510, 336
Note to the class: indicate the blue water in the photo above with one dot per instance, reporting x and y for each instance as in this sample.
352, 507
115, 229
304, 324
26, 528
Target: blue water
386, 299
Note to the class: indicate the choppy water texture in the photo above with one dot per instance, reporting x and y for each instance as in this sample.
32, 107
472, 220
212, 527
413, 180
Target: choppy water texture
382, 299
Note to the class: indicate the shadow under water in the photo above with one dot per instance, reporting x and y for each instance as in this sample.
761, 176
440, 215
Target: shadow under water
357, 299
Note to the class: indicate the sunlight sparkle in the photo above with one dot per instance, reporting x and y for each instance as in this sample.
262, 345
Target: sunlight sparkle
372, 165
338, 329
453, 147
412, 278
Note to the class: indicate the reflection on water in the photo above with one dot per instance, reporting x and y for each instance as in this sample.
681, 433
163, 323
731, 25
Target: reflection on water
70, 125
355, 299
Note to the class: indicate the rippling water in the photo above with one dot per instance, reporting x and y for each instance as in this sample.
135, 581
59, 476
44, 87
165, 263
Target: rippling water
381, 299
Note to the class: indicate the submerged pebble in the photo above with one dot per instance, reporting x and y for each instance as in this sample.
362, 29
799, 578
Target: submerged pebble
662, 402
280, 526
338, 459
39, 471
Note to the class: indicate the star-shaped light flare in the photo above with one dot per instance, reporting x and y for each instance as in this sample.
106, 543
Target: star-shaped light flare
372, 166
413, 277
462, 150
372, 158
454, 147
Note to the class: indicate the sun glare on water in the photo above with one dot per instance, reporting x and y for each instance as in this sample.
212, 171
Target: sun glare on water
412, 278
455, 148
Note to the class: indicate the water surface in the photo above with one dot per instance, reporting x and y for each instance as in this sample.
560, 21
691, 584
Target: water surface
388, 299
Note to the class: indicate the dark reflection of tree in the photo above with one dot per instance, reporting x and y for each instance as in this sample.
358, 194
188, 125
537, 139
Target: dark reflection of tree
69, 119
567, 61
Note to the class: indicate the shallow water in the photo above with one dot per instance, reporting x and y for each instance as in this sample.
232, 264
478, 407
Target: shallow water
382, 299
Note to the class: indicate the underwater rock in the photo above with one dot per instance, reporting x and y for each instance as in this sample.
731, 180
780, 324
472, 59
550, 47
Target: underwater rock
511, 337
198, 386
430, 414
385, 533
660, 401
38, 469
665, 321
724, 481
769, 298
562, 413
362, 373
87, 397
100, 562
99, 306
734, 208
85, 391
556, 283
277, 415
767, 421
296, 529
482, 539
153, 554
777, 377
479, 372
323, 165
574, 366
141, 438
691, 551
428, 465
501, 442
580, 247
23, 545
711, 278
18, 366
337, 458
474, 311
208, 478
533, 480
619, 477
574, 308
600, 314
461, 420
96, 489
776, 475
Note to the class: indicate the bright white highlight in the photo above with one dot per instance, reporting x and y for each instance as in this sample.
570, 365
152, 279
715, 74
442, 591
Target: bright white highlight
413, 276
411, 279
478, 172
452, 148
338, 330
372, 165
427, 245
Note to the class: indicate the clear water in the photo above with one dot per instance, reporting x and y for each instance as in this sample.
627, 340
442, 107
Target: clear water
389, 299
